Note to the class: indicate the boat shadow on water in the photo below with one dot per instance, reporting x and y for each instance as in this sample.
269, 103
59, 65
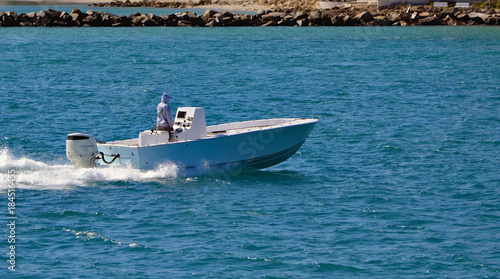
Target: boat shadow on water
236, 173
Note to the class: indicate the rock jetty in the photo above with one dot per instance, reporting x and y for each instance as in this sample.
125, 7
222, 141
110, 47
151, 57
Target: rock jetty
399, 16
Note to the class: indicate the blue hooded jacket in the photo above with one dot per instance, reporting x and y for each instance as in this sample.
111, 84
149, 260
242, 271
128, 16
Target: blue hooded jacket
164, 119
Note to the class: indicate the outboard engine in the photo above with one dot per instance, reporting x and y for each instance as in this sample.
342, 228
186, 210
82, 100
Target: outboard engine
81, 150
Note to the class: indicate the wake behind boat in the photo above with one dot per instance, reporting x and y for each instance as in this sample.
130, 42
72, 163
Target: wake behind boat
255, 144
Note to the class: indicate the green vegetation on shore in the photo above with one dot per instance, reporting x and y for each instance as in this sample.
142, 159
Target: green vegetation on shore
494, 4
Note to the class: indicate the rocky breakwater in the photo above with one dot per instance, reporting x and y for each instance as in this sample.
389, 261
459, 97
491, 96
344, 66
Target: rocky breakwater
399, 16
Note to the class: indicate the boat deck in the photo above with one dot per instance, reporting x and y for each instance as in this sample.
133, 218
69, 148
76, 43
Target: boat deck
229, 129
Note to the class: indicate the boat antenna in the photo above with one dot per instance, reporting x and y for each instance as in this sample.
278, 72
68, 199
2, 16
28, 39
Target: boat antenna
147, 109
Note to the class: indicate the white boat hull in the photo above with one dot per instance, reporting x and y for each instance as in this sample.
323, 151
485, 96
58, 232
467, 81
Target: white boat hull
249, 145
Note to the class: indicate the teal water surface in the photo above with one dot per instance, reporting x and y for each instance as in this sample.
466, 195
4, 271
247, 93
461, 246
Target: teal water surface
400, 178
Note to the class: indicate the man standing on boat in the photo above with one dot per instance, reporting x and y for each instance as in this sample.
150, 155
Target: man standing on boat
164, 120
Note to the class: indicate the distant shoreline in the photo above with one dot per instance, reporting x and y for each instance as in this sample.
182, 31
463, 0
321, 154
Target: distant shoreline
50, 2
240, 6
399, 16
228, 15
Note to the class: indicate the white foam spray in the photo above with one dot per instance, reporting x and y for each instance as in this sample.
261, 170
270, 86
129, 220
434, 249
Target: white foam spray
33, 174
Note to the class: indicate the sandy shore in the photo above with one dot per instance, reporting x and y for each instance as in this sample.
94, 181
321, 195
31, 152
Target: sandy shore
232, 4
59, 2
233, 7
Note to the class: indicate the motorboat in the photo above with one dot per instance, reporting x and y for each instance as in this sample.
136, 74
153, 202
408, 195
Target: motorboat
254, 144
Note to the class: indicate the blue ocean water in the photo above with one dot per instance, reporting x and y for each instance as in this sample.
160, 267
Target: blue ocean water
400, 178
